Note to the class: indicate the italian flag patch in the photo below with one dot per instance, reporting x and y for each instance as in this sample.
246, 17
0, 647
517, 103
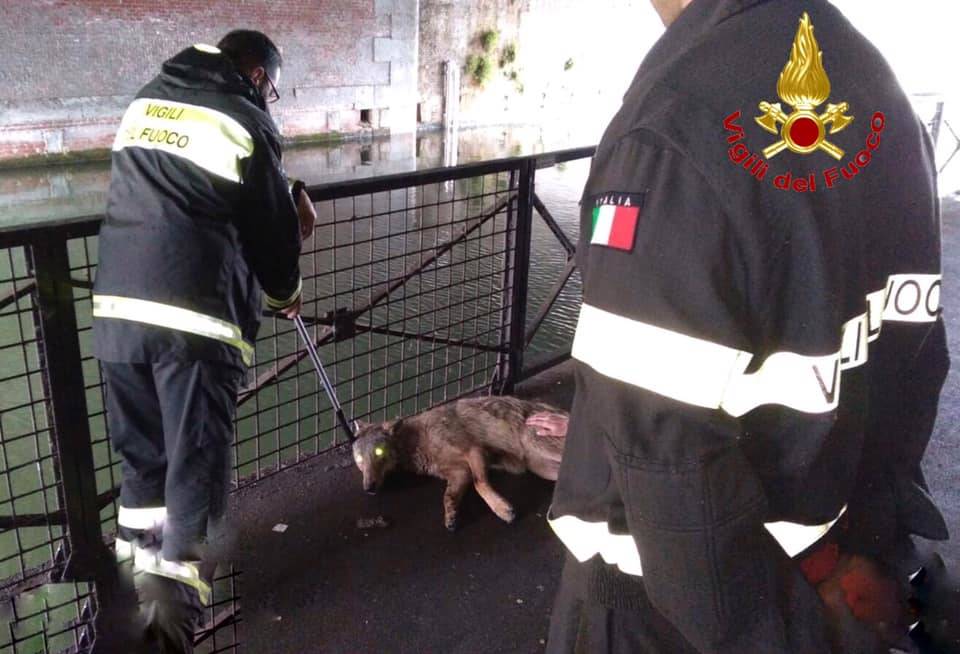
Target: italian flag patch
615, 223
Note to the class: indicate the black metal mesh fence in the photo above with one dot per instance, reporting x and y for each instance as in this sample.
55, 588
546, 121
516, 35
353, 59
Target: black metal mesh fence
414, 292
29, 496
51, 618
416, 280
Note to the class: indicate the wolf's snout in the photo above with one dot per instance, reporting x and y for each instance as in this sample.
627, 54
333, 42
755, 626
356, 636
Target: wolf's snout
370, 488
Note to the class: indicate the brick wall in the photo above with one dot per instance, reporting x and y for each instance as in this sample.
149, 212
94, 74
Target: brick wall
71, 66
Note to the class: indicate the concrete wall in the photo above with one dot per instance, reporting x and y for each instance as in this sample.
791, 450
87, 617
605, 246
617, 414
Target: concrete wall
71, 66
574, 61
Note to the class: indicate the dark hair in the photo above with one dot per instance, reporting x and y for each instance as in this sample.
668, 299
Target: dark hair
248, 49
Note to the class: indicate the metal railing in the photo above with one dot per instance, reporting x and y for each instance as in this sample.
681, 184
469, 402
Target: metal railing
415, 293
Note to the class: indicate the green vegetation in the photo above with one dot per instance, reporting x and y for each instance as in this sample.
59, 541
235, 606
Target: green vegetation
479, 69
489, 40
509, 54
568, 64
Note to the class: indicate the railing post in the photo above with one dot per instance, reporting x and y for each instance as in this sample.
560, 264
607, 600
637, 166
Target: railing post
89, 559
518, 274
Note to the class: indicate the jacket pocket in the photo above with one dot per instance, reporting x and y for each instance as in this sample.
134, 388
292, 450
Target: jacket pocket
699, 529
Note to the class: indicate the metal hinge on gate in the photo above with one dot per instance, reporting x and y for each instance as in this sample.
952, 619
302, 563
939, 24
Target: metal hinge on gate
343, 321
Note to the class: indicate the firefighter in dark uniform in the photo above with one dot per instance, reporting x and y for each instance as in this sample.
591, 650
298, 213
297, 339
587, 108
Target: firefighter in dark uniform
201, 222
760, 348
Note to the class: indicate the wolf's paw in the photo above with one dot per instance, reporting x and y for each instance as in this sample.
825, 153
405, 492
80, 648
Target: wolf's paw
507, 514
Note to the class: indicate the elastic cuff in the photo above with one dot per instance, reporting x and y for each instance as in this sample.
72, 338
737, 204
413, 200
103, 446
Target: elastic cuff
276, 305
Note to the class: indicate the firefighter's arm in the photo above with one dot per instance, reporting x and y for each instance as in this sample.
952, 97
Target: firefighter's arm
305, 209
271, 225
666, 315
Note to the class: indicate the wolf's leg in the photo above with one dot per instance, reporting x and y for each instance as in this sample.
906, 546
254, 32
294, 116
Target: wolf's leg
494, 500
458, 481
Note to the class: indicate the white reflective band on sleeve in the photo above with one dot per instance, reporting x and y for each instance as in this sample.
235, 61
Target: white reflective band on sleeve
203, 47
150, 562
143, 519
275, 304
209, 138
712, 375
912, 298
794, 538
809, 384
681, 367
164, 315
875, 314
586, 539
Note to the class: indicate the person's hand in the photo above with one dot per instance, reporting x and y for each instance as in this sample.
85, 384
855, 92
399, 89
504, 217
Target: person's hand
307, 213
293, 310
548, 424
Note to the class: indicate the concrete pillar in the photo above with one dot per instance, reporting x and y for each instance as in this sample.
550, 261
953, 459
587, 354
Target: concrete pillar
401, 51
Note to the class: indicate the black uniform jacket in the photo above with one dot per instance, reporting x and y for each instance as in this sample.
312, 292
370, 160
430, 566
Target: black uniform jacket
199, 219
760, 347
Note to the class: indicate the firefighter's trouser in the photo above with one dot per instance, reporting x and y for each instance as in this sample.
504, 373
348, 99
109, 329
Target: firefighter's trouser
172, 424
600, 610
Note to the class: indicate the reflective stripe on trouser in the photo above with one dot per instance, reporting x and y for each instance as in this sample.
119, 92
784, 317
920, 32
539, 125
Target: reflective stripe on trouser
150, 519
172, 424
586, 539
149, 561
164, 315
145, 526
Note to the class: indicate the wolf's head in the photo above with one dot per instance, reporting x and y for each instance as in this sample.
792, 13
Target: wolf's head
375, 454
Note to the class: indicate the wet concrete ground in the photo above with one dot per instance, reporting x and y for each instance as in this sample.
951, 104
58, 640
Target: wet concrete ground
325, 585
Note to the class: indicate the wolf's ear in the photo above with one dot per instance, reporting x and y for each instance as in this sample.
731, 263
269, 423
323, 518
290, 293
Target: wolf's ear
359, 426
391, 425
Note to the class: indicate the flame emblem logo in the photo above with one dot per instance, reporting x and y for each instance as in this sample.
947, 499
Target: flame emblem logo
804, 85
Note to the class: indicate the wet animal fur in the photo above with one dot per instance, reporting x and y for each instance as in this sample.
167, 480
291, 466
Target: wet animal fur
458, 442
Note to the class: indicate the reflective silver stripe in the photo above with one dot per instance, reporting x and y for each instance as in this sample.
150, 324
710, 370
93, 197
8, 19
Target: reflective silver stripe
151, 562
144, 519
912, 298
587, 539
808, 384
684, 368
210, 139
794, 538
164, 315
711, 375
275, 304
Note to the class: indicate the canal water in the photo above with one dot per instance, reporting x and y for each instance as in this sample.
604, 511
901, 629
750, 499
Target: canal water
35, 196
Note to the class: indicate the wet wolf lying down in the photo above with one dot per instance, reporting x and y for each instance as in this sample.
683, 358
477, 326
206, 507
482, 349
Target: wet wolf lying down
458, 442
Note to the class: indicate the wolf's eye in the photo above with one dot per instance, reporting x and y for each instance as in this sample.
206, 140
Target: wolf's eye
378, 451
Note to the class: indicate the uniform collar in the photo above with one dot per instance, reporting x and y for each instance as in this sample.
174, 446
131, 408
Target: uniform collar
692, 25
201, 69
